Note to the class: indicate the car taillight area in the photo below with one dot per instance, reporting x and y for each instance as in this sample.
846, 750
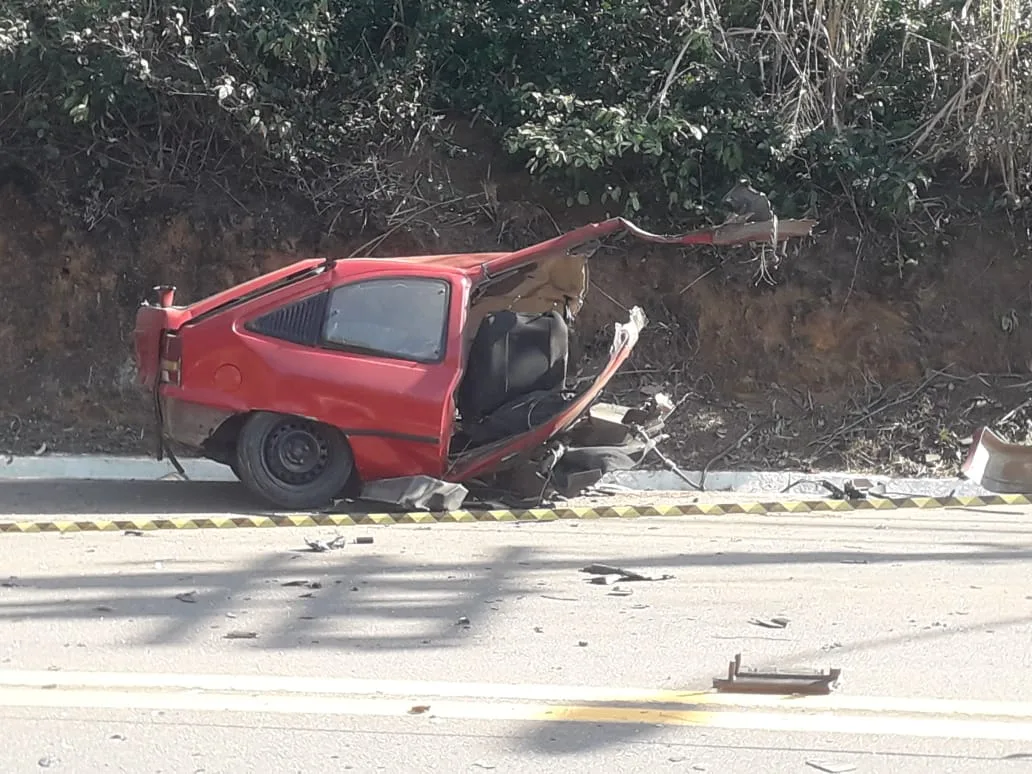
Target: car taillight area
171, 365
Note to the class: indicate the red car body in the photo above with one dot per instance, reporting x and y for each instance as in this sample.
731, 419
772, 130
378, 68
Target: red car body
269, 346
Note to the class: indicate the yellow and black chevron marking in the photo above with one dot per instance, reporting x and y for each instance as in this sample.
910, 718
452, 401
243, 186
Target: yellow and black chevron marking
501, 516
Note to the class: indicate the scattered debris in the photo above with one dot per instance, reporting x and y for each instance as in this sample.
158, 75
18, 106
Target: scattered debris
416, 493
619, 592
237, 635
831, 767
483, 765
363, 541
749, 681
618, 574
463, 621
41, 450
187, 596
582, 644
305, 583
419, 709
319, 546
770, 623
104, 609
851, 489
45, 762
133, 533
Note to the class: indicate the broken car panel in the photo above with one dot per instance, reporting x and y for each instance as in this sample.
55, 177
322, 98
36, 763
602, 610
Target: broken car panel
325, 376
997, 465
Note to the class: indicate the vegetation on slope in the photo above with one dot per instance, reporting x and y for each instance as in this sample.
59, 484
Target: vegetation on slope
651, 107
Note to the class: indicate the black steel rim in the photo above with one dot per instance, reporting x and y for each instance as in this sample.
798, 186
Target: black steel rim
296, 453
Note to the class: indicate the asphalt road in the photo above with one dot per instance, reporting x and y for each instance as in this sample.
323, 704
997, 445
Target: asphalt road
455, 648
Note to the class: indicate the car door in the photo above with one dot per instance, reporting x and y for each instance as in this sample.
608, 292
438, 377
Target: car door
384, 369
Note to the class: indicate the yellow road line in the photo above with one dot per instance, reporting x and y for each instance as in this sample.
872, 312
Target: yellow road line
743, 507
556, 697
296, 704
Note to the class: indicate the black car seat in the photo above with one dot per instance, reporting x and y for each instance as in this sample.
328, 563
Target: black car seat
513, 354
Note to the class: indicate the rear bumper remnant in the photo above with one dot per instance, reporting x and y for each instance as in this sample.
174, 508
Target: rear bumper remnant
997, 465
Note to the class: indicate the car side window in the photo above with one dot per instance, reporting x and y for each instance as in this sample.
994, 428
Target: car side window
404, 318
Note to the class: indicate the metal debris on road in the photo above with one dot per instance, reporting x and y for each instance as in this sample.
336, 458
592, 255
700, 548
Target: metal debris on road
784, 683
236, 635
419, 709
306, 583
187, 596
417, 493
319, 546
831, 767
606, 573
770, 623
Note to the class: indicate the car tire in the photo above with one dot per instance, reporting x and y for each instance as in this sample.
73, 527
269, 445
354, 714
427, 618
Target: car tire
293, 462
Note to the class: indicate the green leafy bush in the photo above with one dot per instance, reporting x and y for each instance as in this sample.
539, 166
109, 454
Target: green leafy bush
651, 109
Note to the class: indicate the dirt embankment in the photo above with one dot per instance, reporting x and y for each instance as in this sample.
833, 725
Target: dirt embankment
830, 367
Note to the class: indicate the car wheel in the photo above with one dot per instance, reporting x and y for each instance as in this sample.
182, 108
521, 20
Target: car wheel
293, 462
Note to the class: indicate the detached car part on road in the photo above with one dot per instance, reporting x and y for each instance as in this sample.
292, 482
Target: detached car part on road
997, 465
323, 376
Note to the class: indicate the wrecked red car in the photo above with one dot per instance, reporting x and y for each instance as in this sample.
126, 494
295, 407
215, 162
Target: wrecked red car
319, 379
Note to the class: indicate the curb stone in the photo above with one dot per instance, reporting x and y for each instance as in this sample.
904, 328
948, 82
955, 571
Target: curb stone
89, 467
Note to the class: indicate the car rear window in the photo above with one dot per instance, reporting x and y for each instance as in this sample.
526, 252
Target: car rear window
404, 318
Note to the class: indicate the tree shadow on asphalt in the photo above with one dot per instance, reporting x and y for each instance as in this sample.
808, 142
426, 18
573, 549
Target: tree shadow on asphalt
69, 499
126, 499
354, 588
322, 604
349, 602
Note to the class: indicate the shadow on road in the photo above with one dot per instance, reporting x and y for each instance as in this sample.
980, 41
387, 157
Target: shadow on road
68, 499
363, 603
358, 603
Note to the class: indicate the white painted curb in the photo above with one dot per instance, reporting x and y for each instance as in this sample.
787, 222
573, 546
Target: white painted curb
56, 467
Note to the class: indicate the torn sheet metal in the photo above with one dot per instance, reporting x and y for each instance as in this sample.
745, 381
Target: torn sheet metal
997, 465
418, 493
